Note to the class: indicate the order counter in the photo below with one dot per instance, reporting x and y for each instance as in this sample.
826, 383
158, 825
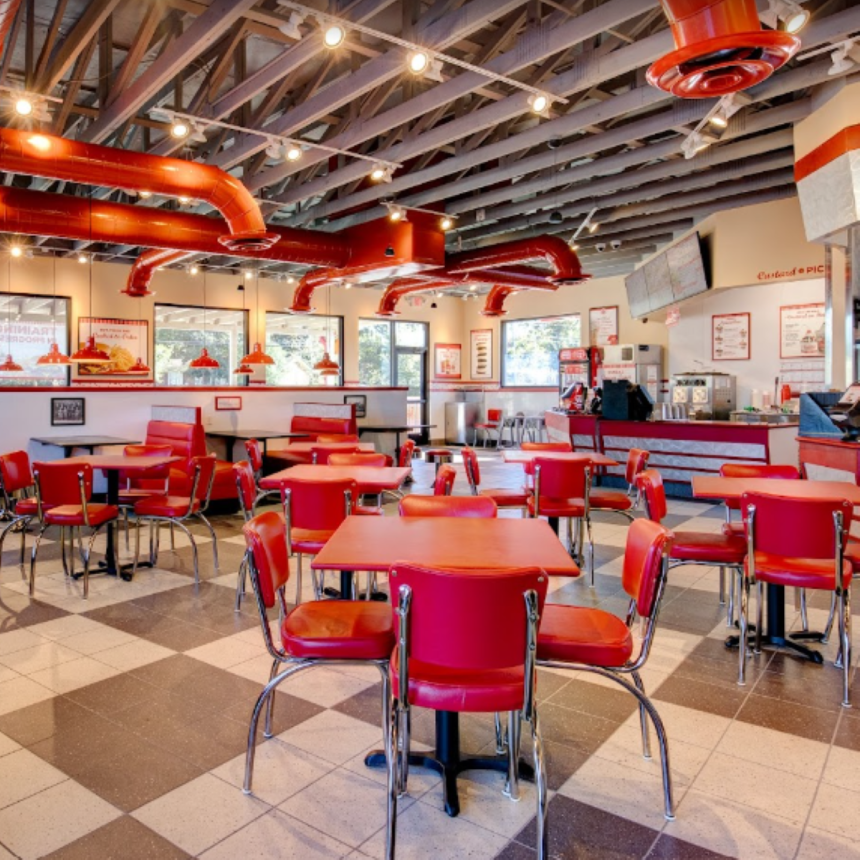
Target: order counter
679, 449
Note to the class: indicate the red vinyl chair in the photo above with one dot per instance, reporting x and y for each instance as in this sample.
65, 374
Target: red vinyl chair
63, 493
246, 487
616, 501
801, 543
593, 640
19, 508
178, 510
750, 470
503, 497
254, 450
478, 507
328, 438
407, 452
465, 643
312, 634
688, 547
562, 489
444, 483
558, 447
495, 421
133, 486
321, 453
360, 458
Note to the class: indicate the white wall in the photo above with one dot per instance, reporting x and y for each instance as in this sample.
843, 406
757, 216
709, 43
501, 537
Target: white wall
690, 339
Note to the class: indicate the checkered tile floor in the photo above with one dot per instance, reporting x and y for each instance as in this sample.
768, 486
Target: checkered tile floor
123, 719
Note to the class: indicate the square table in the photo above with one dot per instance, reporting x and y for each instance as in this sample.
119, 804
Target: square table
375, 543
260, 435
307, 447
69, 443
525, 457
371, 480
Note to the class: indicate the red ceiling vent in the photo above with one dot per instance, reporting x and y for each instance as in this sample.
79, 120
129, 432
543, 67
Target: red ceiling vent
720, 49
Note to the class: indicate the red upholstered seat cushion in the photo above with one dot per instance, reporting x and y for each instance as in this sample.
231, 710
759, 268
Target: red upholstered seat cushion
367, 511
134, 494
704, 546
438, 452
575, 634
73, 515
799, 572
507, 498
343, 629
28, 507
445, 689
558, 507
283, 458
164, 506
610, 500
309, 541
736, 529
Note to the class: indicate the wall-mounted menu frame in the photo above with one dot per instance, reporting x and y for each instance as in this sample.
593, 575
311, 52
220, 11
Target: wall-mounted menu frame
603, 326
731, 337
123, 340
446, 364
481, 353
801, 331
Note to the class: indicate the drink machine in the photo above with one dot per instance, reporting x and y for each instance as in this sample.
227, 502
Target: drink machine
577, 372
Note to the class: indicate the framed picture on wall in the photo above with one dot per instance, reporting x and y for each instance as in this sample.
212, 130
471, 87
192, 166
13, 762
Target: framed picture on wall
68, 412
123, 340
446, 364
481, 353
360, 403
603, 326
801, 331
730, 337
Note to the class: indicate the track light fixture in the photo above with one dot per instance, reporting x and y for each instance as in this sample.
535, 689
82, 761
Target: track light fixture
82, 259
418, 62
446, 223
180, 129
539, 103
193, 270
694, 144
333, 36
396, 213
726, 108
845, 58
382, 173
290, 27
790, 14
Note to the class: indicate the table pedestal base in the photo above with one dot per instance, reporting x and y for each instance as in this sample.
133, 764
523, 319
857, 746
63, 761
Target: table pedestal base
785, 642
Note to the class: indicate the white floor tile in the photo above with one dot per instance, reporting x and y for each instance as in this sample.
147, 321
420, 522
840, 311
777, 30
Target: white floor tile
7, 745
133, 655
229, 651
20, 692
843, 769
820, 845
65, 677
333, 736
23, 774
19, 640
326, 687
830, 811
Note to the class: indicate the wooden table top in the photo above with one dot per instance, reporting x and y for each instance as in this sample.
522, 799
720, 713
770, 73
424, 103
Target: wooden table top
715, 487
109, 462
375, 543
529, 456
307, 447
370, 479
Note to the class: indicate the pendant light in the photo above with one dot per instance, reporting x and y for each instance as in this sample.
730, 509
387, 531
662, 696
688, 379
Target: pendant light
10, 365
327, 366
139, 368
89, 353
53, 357
204, 361
256, 355
243, 369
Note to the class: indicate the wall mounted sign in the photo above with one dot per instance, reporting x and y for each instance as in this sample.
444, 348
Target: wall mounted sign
446, 363
801, 331
482, 353
68, 412
123, 340
360, 403
673, 316
603, 326
730, 337
228, 404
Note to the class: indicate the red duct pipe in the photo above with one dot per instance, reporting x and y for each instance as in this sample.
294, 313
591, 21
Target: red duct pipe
143, 269
720, 48
398, 289
36, 154
8, 10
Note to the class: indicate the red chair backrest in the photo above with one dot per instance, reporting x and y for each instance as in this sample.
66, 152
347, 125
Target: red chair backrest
266, 540
337, 437
246, 486
755, 470
59, 484
494, 416
562, 479
321, 453
643, 560
467, 619
477, 507
316, 424
154, 474
15, 472
796, 528
318, 505
559, 447
185, 440
650, 484
206, 465
444, 483
473, 470
359, 459
407, 449
637, 460
255, 454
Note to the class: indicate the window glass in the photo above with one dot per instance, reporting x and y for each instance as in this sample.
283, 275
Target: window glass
410, 334
374, 352
180, 334
297, 343
28, 327
530, 349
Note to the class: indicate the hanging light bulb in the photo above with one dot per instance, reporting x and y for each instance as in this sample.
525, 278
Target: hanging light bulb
16, 251
327, 366
82, 259
53, 357
23, 106
89, 353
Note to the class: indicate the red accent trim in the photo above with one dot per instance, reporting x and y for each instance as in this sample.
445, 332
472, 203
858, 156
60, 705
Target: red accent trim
128, 385
843, 141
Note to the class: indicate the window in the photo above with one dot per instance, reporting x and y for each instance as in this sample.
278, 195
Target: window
297, 343
374, 352
530, 349
28, 327
180, 335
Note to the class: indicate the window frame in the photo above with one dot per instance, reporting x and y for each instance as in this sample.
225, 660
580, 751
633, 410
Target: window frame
338, 358
4, 381
504, 348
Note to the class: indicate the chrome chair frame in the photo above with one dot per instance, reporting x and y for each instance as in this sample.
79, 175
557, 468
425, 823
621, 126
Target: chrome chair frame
473, 486
487, 430
637, 688
14, 522
399, 727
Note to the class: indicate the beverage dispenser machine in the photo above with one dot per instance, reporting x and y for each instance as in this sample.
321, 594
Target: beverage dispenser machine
577, 372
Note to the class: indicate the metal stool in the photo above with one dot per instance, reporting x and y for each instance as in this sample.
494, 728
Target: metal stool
535, 427
438, 456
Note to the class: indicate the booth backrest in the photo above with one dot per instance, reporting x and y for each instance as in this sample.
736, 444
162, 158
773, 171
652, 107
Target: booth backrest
324, 419
185, 440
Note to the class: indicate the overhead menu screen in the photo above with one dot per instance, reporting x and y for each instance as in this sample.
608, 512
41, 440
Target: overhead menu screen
678, 273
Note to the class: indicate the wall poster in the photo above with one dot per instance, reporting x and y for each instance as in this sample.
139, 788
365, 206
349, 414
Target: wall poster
801, 331
447, 361
123, 340
730, 337
482, 353
603, 326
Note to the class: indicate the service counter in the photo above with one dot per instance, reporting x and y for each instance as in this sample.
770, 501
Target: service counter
830, 459
679, 449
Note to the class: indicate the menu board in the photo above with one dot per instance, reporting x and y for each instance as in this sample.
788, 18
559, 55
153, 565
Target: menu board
123, 340
658, 277
637, 293
801, 331
686, 268
603, 326
730, 337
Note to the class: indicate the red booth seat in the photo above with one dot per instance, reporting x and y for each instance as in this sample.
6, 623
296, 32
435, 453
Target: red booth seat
187, 441
314, 426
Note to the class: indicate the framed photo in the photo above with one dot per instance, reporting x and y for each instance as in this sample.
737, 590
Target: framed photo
731, 335
603, 326
801, 331
68, 412
228, 404
360, 403
481, 351
123, 340
446, 363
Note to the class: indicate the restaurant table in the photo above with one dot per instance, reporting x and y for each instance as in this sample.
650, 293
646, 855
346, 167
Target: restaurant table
371, 480
111, 465
731, 489
397, 429
307, 447
375, 543
260, 435
88, 443
525, 457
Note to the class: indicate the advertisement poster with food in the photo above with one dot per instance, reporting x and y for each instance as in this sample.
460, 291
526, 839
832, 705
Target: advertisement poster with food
801, 331
447, 363
603, 326
730, 337
482, 353
123, 340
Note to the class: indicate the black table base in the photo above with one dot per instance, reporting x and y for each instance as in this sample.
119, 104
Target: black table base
447, 762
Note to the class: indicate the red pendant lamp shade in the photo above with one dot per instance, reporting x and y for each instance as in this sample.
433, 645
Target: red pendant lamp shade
89, 353
257, 356
326, 366
244, 370
204, 360
10, 366
53, 357
139, 368
720, 49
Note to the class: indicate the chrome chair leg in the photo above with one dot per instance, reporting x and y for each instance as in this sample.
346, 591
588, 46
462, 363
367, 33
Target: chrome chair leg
404, 731
87, 563
298, 581
580, 541
211, 532
804, 612
512, 784
240, 582
393, 758
742, 644
845, 646
270, 707
730, 609
759, 615
541, 786
501, 745
33, 555
828, 628
590, 548
172, 538
643, 717
722, 586
66, 570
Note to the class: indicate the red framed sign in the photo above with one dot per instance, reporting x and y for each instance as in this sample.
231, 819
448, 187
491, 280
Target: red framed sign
228, 404
731, 337
446, 363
